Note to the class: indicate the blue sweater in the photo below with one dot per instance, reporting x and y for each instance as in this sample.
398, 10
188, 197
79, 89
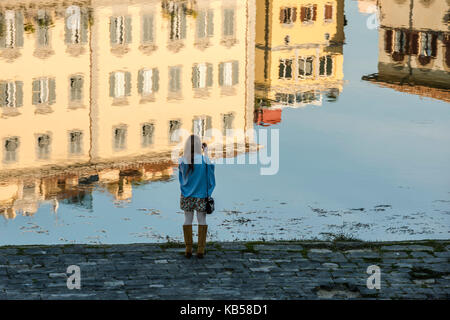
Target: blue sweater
194, 183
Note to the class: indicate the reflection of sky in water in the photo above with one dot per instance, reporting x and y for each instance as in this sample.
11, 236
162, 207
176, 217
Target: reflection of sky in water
374, 165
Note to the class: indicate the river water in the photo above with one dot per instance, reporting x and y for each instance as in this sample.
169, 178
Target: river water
353, 97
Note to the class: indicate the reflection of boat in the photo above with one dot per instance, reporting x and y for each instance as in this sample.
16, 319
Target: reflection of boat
299, 52
414, 48
91, 88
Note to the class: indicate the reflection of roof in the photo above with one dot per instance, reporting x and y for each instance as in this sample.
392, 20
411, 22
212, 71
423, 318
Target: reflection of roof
266, 117
421, 90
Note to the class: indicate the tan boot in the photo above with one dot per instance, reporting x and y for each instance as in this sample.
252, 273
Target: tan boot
187, 230
202, 230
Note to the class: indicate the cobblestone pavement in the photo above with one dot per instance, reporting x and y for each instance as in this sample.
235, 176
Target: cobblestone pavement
270, 270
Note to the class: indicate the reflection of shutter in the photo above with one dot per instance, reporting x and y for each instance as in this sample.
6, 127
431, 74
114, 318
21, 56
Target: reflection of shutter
329, 65
201, 20
434, 45
140, 81
183, 25
388, 41
67, 31
314, 17
3, 93
294, 14
210, 23
2, 31
128, 30
42, 33
447, 50
80, 84
112, 30
155, 80
209, 75
328, 12
235, 72
407, 39
127, 83
303, 14
112, 85
322, 66
19, 29
36, 87
208, 123
84, 26
51, 91
282, 15
221, 67
148, 29
195, 76
414, 43
281, 70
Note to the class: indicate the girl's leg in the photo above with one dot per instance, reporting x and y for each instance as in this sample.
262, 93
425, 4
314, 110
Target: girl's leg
202, 230
188, 217
187, 231
201, 218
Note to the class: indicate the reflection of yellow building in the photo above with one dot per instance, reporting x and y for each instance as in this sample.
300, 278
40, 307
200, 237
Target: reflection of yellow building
299, 51
107, 83
414, 47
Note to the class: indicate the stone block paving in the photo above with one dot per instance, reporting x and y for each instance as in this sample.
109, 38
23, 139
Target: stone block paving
269, 270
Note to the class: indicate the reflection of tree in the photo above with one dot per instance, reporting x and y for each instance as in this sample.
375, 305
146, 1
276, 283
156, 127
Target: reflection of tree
172, 7
78, 198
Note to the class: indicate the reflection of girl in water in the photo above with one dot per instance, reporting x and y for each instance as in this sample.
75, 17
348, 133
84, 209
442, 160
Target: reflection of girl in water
194, 175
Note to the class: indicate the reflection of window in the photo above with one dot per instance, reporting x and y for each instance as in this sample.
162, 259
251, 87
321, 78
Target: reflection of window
174, 134
147, 29
75, 142
120, 138
11, 29
147, 134
229, 73
178, 22
43, 28
201, 125
120, 30
328, 12
285, 69
308, 13
307, 97
202, 75
227, 123
174, 79
148, 81
399, 41
425, 44
228, 22
11, 94
288, 15
76, 25
285, 98
205, 24
43, 146
119, 84
44, 91
305, 67
326, 66
76, 88
10, 147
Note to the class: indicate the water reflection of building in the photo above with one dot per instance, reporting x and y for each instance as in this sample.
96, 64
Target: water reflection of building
414, 47
106, 83
299, 51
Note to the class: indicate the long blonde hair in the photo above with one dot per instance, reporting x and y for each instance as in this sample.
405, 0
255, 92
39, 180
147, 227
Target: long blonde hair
192, 146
